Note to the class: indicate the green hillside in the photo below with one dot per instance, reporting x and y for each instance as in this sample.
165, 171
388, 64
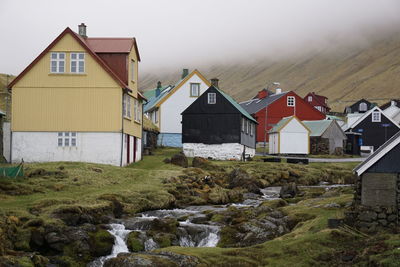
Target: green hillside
343, 75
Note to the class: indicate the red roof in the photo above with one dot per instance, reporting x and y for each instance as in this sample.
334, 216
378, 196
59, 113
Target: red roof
91, 51
112, 45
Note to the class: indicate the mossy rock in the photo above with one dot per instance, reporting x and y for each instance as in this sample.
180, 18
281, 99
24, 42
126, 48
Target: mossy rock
40, 261
135, 244
227, 237
276, 203
101, 243
22, 239
163, 239
166, 225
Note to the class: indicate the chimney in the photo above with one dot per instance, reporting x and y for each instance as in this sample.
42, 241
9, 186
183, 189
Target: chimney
158, 89
214, 82
393, 103
262, 94
278, 90
82, 30
185, 73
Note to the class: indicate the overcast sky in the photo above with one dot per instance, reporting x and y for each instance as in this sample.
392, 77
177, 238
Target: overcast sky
178, 33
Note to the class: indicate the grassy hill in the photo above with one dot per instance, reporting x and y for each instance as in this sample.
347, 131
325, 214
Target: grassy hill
342, 74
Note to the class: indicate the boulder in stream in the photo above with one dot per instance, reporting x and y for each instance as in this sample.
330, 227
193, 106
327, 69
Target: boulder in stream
289, 190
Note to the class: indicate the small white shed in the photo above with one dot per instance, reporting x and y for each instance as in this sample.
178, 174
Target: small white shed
289, 136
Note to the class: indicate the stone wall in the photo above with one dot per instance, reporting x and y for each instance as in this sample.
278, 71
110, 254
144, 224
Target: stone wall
228, 151
369, 218
319, 146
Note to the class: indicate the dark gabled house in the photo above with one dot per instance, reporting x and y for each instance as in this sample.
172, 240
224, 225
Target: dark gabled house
319, 102
361, 106
216, 126
375, 128
378, 181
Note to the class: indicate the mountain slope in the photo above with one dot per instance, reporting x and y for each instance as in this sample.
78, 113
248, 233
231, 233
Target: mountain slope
343, 75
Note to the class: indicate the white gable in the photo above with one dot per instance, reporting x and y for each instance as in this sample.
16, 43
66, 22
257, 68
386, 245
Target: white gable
294, 126
175, 104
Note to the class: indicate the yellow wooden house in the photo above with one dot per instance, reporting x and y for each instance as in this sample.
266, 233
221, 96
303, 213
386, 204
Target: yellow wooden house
79, 101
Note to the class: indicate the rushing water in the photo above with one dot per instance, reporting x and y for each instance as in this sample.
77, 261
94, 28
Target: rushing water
120, 234
193, 231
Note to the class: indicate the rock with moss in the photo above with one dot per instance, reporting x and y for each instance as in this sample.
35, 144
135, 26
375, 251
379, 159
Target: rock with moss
101, 243
240, 178
180, 160
167, 259
22, 239
135, 241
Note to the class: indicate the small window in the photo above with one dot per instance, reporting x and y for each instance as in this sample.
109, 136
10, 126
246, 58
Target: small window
212, 98
291, 101
156, 116
194, 89
77, 62
376, 116
251, 129
66, 139
243, 124
247, 127
57, 63
309, 98
362, 106
137, 110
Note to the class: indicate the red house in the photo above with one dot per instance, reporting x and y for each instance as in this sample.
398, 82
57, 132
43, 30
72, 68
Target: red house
269, 108
318, 101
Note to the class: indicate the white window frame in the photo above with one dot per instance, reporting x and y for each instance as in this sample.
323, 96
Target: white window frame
156, 116
376, 116
211, 98
126, 110
247, 127
243, 124
291, 101
77, 60
309, 98
60, 62
133, 74
194, 89
251, 129
67, 139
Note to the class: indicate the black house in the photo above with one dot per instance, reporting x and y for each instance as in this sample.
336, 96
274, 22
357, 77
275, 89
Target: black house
378, 184
216, 126
375, 128
361, 106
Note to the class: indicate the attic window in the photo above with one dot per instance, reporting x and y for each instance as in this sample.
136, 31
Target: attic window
212, 98
376, 116
57, 63
77, 62
194, 89
362, 106
309, 98
291, 101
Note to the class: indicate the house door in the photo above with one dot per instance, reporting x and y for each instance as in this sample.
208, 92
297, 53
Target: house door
128, 149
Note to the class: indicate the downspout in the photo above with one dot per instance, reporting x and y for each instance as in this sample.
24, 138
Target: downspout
122, 127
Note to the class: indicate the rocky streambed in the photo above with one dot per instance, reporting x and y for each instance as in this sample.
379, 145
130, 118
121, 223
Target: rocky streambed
253, 221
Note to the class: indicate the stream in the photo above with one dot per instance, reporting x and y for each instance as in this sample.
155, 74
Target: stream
194, 229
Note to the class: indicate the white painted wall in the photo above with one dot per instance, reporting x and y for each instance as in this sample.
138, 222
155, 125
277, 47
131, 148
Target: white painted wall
227, 151
6, 141
294, 138
104, 148
172, 108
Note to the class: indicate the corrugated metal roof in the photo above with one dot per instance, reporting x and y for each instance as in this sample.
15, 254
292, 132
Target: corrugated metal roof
110, 45
236, 105
153, 101
254, 105
318, 127
152, 93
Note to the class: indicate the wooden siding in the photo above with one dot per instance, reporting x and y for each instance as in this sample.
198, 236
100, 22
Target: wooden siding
66, 109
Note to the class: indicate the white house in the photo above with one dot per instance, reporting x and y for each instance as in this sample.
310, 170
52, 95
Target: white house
165, 108
289, 136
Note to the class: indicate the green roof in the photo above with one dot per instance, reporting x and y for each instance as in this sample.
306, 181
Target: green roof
236, 105
152, 93
318, 127
280, 124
